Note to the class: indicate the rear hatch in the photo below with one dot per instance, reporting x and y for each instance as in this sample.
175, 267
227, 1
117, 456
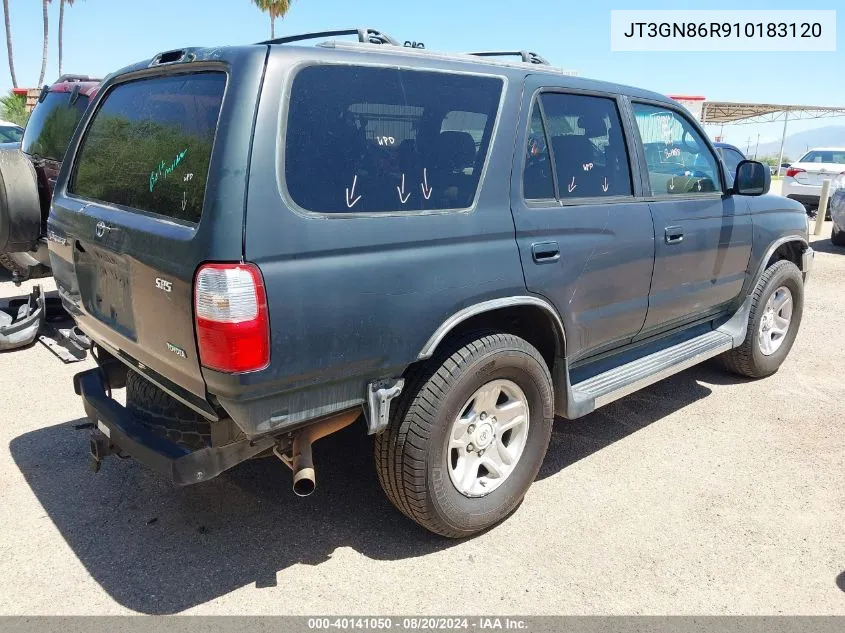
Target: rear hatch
818, 166
156, 187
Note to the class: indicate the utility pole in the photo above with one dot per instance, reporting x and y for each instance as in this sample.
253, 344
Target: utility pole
783, 140
757, 147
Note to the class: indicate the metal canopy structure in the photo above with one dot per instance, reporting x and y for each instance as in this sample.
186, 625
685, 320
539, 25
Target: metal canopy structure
726, 112
716, 112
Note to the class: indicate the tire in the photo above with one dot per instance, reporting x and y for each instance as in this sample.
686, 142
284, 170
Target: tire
20, 206
164, 415
412, 457
749, 359
837, 236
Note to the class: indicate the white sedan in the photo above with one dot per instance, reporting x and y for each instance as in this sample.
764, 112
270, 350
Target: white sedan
803, 181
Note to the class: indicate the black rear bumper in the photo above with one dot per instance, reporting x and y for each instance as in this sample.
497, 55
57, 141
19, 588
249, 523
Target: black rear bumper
118, 431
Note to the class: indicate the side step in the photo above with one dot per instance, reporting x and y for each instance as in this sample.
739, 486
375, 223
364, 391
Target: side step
626, 379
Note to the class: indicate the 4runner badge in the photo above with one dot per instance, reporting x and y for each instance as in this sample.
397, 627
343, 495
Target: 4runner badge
163, 284
176, 350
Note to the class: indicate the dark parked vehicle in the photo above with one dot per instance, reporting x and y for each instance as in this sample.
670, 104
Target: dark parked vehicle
29, 166
265, 242
731, 155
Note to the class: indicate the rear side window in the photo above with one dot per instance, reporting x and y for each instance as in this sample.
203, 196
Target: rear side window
52, 123
587, 145
366, 139
148, 147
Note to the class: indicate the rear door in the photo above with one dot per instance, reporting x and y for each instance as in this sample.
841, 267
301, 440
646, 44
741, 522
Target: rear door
586, 242
150, 195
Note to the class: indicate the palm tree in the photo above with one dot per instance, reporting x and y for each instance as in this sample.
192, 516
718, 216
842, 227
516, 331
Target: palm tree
276, 9
61, 27
9, 42
44, 4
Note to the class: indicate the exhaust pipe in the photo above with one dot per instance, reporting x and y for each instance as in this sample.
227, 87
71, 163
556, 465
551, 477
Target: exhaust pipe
304, 480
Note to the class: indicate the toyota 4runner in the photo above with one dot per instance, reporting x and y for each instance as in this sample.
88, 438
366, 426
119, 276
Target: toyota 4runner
265, 242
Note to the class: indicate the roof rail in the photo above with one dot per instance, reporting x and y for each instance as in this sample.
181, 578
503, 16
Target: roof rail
72, 78
365, 36
527, 56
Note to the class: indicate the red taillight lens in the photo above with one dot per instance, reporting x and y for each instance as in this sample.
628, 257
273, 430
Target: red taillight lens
792, 172
233, 328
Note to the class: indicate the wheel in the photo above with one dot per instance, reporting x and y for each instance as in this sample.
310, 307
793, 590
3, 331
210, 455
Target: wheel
165, 415
468, 435
837, 236
776, 309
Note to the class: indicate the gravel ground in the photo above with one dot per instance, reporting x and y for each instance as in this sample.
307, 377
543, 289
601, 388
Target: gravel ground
704, 494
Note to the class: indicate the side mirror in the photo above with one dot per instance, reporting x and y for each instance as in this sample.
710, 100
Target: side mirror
752, 179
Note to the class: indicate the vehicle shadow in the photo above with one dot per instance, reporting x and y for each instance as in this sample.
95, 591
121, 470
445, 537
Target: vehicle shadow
827, 246
573, 440
158, 549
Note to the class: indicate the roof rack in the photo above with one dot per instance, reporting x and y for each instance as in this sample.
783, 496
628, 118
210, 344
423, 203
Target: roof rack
365, 36
527, 56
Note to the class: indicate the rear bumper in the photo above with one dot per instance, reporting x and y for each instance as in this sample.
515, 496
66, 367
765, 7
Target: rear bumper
117, 431
808, 195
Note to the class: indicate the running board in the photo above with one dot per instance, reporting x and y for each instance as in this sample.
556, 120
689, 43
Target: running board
626, 379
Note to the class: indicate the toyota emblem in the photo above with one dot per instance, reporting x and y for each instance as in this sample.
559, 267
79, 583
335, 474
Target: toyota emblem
101, 228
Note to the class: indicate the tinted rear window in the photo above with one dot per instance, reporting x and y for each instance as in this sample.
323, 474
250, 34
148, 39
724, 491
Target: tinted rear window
52, 124
365, 139
148, 146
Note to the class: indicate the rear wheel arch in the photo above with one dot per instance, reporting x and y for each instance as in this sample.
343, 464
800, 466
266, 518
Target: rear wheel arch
531, 318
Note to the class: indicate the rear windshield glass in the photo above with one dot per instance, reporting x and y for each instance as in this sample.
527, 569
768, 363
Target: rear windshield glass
365, 139
836, 157
52, 123
148, 147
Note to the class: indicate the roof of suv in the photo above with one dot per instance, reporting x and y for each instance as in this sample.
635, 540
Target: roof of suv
372, 42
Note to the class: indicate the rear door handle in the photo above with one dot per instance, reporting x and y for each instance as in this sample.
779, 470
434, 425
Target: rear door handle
674, 235
545, 252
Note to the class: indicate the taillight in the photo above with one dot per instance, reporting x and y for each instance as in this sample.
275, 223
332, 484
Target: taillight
233, 328
793, 171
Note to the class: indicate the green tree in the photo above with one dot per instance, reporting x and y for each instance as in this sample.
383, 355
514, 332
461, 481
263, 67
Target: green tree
9, 42
13, 109
44, 4
275, 9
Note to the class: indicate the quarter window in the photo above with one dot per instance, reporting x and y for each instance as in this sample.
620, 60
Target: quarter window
678, 159
537, 180
368, 139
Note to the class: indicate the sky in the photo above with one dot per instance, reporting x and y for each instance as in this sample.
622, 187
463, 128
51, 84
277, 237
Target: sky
103, 35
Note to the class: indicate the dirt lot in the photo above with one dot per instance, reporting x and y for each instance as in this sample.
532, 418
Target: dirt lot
704, 494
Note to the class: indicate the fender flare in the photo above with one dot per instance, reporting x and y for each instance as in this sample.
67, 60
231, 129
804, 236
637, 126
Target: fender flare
488, 306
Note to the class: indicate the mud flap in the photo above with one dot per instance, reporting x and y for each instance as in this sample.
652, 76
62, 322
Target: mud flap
19, 328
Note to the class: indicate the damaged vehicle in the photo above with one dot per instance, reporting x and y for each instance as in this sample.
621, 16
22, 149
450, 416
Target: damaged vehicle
269, 243
28, 171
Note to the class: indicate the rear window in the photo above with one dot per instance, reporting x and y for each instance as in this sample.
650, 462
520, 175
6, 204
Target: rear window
148, 147
52, 123
836, 157
366, 139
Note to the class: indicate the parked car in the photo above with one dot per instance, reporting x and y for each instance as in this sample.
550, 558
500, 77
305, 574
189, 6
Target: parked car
804, 178
10, 133
837, 211
266, 242
731, 155
31, 162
